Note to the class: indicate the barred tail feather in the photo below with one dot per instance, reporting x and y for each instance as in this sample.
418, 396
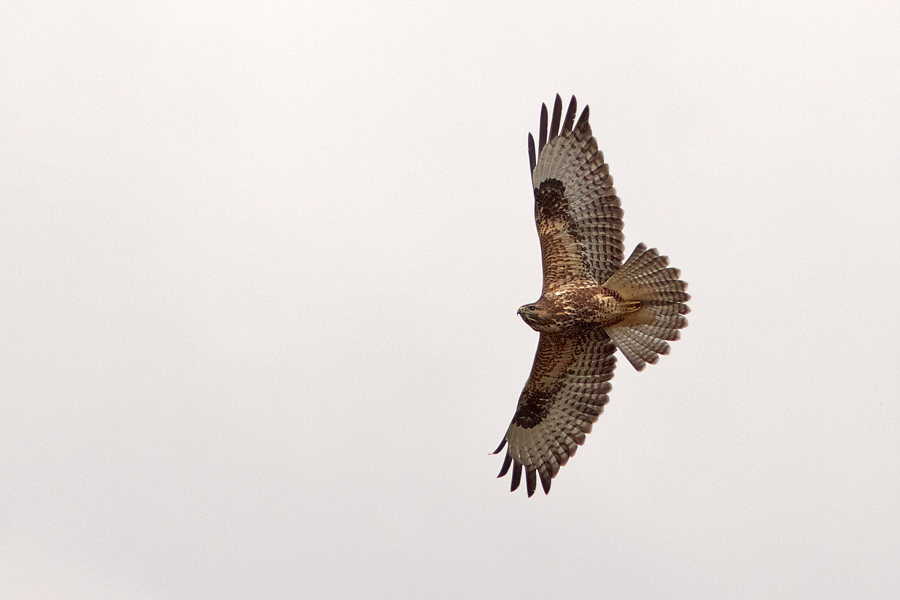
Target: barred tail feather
646, 277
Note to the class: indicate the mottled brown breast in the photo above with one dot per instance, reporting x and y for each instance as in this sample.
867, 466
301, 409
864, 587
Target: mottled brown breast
595, 306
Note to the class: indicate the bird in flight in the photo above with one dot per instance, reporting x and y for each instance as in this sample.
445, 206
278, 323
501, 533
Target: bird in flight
591, 303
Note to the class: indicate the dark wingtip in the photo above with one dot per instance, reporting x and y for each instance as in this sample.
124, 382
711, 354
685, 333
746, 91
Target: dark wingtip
500, 447
516, 476
542, 136
569, 121
532, 156
557, 114
530, 477
583, 119
506, 463
545, 481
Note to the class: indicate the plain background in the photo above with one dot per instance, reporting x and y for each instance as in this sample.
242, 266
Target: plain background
260, 264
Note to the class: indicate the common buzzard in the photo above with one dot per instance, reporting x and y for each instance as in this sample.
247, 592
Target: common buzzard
590, 305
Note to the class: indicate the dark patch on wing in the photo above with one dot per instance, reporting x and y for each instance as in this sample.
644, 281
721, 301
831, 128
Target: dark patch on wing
533, 407
551, 200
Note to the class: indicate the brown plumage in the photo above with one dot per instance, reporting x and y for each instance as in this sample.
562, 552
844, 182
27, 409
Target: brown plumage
590, 303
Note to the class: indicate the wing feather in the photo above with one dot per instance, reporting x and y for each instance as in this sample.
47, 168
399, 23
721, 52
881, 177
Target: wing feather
516, 476
530, 481
583, 119
570, 116
542, 138
532, 157
557, 114
507, 462
562, 399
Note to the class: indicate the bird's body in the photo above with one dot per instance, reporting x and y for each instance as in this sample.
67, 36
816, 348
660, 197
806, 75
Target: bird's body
591, 303
577, 306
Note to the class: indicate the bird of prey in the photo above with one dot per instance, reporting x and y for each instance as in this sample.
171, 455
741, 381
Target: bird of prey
591, 303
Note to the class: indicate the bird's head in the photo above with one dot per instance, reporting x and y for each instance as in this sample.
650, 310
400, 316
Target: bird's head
527, 311
539, 315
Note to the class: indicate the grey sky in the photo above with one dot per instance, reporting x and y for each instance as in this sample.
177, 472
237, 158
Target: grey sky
261, 265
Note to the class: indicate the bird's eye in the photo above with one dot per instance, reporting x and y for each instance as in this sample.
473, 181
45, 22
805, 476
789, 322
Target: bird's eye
531, 308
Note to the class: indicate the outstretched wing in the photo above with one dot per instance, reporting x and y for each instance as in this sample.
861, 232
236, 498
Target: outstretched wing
578, 217
562, 399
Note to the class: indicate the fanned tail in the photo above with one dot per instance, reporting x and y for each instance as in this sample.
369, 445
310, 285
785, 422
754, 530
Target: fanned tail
646, 277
